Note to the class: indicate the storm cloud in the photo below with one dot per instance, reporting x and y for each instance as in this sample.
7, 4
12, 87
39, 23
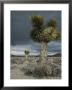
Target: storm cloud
21, 24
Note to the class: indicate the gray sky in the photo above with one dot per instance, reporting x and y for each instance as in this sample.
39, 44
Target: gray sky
21, 24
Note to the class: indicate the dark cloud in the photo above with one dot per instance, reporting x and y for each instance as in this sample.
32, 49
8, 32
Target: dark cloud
21, 24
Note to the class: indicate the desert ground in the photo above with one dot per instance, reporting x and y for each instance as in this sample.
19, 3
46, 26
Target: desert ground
22, 69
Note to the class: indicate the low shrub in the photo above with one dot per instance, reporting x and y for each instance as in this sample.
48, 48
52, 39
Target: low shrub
56, 70
40, 71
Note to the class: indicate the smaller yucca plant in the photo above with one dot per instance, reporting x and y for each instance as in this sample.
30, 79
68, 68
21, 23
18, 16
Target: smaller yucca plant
26, 54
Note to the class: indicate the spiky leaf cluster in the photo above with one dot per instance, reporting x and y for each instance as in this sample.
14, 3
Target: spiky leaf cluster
26, 52
37, 21
44, 34
52, 23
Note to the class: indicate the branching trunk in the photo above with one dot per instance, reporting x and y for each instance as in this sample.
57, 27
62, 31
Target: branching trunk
44, 52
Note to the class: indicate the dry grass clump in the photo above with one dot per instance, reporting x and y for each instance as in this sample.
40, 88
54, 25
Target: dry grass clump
28, 68
42, 71
13, 61
16, 61
57, 61
56, 70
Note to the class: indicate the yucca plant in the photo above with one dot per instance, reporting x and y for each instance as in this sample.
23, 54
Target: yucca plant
43, 34
26, 54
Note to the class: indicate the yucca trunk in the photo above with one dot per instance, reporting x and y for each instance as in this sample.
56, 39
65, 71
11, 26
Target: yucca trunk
26, 58
43, 52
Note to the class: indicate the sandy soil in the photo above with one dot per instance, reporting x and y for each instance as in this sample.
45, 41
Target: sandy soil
17, 64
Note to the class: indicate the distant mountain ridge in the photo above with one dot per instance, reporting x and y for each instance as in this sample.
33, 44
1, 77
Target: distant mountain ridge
54, 55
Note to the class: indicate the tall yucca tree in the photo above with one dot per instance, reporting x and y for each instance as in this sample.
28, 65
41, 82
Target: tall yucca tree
43, 34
